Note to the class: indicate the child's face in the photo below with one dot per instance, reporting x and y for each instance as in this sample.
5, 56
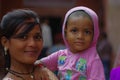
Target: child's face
79, 33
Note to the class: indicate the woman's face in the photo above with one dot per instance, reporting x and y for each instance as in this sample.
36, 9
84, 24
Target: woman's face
26, 48
79, 33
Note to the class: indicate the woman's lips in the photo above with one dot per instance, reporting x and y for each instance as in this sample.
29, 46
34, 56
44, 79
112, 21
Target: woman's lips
31, 52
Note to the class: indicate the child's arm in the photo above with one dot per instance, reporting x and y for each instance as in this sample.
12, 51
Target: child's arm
50, 61
44, 74
44, 63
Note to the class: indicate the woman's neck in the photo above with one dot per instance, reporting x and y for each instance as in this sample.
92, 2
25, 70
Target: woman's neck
20, 71
21, 67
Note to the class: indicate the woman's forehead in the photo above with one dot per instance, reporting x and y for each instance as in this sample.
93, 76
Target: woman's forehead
27, 27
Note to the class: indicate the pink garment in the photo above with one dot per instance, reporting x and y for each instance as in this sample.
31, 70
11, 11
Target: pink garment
85, 65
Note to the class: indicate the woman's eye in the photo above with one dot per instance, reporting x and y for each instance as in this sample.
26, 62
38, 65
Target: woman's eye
38, 37
23, 37
20, 36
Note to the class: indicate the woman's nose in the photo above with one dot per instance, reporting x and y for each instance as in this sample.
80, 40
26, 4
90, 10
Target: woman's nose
31, 42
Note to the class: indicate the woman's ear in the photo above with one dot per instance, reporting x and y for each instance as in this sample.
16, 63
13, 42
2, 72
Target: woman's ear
4, 42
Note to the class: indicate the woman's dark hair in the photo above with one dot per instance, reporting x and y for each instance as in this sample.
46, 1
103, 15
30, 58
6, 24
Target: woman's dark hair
15, 19
12, 22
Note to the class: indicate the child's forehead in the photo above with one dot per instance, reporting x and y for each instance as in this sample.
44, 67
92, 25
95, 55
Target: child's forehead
78, 18
82, 20
79, 13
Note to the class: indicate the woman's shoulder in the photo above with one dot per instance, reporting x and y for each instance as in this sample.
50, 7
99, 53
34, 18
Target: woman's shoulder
7, 78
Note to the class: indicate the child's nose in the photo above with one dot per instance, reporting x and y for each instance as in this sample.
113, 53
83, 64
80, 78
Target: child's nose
80, 35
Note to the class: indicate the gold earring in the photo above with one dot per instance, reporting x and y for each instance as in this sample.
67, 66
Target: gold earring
5, 49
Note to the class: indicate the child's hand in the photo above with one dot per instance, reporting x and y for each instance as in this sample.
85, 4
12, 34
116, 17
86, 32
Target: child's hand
41, 74
37, 62
52, 76
44, 74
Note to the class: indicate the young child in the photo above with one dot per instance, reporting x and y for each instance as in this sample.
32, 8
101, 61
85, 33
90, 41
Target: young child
80, 61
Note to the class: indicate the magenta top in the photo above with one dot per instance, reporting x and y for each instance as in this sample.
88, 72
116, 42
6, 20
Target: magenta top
115, 74
85, 65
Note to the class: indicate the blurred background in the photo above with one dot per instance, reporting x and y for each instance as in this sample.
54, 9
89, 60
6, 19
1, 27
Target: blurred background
52, 12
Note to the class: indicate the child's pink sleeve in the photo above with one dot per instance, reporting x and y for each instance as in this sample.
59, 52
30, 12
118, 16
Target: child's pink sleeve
51, 61
96, 71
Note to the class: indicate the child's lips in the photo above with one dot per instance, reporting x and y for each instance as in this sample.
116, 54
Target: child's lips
79, 43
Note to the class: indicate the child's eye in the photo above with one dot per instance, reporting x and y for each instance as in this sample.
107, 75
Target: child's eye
88, 32
74, 30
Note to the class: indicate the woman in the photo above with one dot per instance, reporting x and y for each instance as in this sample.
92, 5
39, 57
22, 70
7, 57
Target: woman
21, 43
